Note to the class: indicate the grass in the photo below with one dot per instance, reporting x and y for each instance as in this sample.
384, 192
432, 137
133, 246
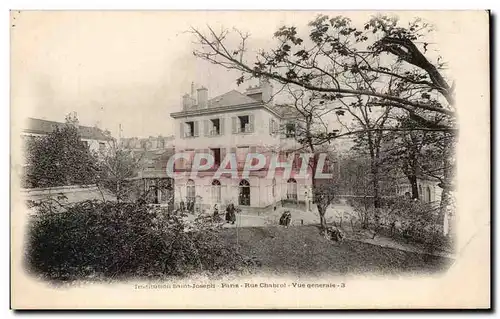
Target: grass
303, 251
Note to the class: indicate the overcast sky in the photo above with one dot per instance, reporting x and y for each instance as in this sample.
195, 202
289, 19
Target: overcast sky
128, 68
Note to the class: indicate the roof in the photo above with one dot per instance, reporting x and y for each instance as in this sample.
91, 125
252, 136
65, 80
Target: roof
286, 111
39, 126
155, 154
229, 99
153, 163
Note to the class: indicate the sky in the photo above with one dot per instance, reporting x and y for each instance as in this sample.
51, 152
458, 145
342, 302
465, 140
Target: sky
124, 68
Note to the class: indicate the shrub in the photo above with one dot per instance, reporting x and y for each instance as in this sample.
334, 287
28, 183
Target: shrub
363, 206
417, 221
120, 240
58, 159
400, 217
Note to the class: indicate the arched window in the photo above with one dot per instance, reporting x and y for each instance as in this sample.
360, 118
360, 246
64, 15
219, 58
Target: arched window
244, 193
190, 191
291, 192
428, 194
216, 190
274, 187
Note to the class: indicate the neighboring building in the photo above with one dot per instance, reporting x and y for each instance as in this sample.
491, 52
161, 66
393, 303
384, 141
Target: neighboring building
93, 137
428, 189
236, 123
149, 143
151, 181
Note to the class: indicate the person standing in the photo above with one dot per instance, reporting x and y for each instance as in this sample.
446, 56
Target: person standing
216, 212
230, 214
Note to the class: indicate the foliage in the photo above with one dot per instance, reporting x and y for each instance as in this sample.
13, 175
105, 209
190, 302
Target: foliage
59, 159
324, 192
341, 60
121, 240
116, 165
416, 153
367, 71
403, 217
363, 206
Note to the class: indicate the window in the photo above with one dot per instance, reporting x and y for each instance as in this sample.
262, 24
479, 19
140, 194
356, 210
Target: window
190, 191
215, 127
217, 156
244, 123
291, 192
241, 154
102, 146
161, 143
189, 161
244, 193
272, 127
216, 190
189, 129
290, 130
86, 144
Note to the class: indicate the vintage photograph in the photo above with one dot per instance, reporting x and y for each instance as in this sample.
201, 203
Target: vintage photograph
178, 152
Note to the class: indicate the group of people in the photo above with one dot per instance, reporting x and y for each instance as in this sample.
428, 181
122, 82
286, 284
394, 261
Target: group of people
230, 213
285, 219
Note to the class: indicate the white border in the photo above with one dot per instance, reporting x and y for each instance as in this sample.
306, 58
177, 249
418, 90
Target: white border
177, 5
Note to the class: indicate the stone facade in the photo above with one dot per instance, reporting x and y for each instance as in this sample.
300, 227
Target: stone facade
235, 123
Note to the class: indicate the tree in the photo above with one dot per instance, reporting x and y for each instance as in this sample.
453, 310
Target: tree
416, 153
336, 49
116, 166
58, 159
324, 192
353, 174
310, 130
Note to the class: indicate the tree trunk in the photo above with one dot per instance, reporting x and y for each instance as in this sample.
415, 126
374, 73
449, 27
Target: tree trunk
322, 218
374, 171
376, 186
444, 207
414, 186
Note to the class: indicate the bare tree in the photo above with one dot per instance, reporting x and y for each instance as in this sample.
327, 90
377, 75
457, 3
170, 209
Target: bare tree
336, 48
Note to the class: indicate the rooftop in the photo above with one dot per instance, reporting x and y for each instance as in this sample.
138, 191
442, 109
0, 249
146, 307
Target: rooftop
39, 126
230, 98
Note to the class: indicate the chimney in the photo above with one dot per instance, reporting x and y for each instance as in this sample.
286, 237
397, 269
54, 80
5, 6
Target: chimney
267, 90
203, 97
186, 102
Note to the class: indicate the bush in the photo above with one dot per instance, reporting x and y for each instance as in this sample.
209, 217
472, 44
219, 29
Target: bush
363, 206
401, 217
120, 240
58, 159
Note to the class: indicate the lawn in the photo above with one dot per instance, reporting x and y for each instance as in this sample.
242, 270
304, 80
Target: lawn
303, 251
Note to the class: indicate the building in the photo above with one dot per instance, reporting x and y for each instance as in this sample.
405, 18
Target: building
428, 189
93, 137
237, 123
148, 143
150, 181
